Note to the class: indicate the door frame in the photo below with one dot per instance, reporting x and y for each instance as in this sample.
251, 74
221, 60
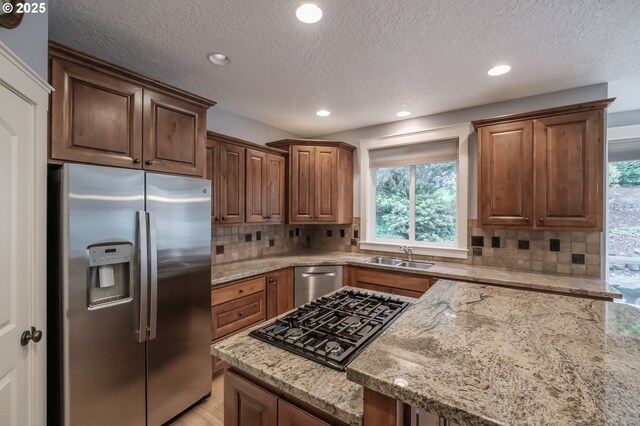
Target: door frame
20, 78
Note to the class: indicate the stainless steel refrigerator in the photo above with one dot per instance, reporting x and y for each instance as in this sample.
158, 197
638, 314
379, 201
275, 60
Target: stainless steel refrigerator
129, 295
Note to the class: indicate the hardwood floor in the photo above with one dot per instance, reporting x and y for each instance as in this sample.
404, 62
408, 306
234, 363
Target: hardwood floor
209, 412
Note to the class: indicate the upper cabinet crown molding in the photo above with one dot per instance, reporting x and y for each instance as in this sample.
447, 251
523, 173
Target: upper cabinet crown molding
104, 114
286, 143
57, 50
566, 109
543, 170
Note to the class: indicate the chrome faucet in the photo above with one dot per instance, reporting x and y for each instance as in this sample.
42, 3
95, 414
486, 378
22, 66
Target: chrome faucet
408, 251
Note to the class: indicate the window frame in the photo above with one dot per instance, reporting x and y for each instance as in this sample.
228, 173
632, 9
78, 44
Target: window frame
458, 249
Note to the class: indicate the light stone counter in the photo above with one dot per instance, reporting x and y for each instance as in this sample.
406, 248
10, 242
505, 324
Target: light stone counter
484, 355
224, 273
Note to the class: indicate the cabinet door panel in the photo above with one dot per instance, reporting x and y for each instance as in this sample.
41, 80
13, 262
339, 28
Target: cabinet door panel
174, 136
569, 170
506, 174
232, 185
256, 186
288, 415
326, 183
302, 184
275, 188
95, 118
247, 404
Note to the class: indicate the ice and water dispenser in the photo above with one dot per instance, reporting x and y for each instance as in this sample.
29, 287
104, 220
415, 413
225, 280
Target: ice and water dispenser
110, 274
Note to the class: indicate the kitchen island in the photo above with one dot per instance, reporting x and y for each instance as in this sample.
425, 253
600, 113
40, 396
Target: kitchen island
481, 355
472, 354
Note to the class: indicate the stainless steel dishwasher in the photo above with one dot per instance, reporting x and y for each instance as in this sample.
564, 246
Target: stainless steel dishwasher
312, 282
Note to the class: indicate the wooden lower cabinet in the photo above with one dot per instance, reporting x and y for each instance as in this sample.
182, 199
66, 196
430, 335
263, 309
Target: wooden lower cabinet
400, 283
246, 303
246, 404
289, 415
249, 402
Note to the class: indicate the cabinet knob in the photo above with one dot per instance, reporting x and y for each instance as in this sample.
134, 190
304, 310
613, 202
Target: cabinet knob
272, 281
268, 217
217, 217
526, 219
241, 313
264, 217
224, 218
149, 162
136, 160
317, 217
542, 219
241, 290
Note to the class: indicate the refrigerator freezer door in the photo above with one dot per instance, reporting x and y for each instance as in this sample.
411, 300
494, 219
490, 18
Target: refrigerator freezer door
103, 363
179, 362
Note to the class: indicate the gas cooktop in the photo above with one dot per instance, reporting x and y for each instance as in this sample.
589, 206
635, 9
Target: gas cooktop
334, 329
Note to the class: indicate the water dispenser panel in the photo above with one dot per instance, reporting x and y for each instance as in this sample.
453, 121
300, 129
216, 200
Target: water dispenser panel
110, 274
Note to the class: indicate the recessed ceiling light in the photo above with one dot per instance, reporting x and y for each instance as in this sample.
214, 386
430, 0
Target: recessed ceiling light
218, 59
323, 113
499, 70
403, 114
309, 13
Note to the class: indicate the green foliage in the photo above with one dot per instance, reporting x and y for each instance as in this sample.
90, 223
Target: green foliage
435, 210
624, 173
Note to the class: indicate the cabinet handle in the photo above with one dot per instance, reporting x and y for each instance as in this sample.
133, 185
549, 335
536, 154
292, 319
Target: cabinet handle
264, 217
217, 217
241, 313
542, 219
241, 290
317, 217
224, 218
268, 217
148, 162
136, 160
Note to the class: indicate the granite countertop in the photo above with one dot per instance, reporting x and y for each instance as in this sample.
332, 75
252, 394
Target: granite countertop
484, 355
322, 387
227, 272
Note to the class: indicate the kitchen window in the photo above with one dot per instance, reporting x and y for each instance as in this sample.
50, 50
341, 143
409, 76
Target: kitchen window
415, 192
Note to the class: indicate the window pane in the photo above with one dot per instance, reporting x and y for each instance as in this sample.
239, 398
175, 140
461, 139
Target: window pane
436, 202
392, 202
624, 229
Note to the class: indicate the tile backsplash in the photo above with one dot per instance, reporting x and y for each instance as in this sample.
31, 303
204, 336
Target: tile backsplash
573, 253
231, 243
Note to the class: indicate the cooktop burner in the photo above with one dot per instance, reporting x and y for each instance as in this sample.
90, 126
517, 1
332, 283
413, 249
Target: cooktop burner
334, 329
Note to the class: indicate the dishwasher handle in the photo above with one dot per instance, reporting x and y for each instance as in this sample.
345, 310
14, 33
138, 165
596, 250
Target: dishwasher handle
318, 274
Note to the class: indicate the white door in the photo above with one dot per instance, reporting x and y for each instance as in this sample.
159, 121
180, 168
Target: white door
16, 256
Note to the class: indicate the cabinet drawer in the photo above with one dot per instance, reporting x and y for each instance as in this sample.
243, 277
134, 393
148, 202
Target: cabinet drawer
235, 315
415, 283
234, 291
390, 290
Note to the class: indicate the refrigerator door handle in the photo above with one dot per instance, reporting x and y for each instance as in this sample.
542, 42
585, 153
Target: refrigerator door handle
143, 257
153, 266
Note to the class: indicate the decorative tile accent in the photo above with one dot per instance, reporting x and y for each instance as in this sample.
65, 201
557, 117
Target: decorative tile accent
290, 232
354, 242
341, 233
554, 244
495, 242
477, 251
578, 259
523, 244
247, 238
355, 233
272, 243
329, 233
477, 241
297, 232
219, 249
258, 235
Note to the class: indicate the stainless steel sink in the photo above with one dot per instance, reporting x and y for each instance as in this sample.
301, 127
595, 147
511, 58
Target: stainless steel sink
385, 261
417, 265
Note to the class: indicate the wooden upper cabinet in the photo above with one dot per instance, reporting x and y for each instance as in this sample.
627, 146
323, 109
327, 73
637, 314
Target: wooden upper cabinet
95, 117
505, 156
256, 186
544, 169
326, 183
320, 180
231, 184
301, 192
276, 190
569, 170
248, 181
107, 115
174, 135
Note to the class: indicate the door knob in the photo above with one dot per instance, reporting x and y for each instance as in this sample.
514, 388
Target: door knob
29, 335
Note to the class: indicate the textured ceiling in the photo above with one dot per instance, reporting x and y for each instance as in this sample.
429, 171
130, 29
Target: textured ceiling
366, 59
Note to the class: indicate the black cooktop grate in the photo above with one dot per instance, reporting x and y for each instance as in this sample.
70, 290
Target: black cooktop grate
334, 329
